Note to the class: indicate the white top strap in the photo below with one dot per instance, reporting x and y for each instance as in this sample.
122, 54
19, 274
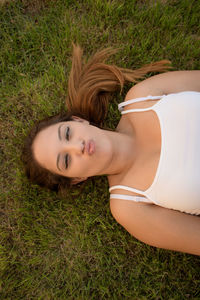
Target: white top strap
130, 198
135, 110
126, 188
123, 104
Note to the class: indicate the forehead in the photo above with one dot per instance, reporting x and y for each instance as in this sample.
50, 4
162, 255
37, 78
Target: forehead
46, 133
44, 145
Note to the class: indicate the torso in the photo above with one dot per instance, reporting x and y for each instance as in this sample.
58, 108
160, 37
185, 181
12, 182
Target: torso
146, 128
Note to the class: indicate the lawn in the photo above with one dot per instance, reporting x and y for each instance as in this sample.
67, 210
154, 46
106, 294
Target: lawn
68, 246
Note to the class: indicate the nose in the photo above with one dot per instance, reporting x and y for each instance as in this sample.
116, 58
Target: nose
74, 146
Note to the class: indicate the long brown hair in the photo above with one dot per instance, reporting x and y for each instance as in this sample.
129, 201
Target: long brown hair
90, 88
92, 84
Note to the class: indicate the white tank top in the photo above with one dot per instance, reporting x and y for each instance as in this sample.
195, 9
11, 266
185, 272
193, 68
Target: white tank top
177, 181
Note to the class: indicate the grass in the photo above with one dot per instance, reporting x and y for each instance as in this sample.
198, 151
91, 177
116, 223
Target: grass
69, 246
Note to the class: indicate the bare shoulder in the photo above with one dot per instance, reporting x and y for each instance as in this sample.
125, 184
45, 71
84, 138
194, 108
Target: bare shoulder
122, 210
166, 83
133, 216
144, 88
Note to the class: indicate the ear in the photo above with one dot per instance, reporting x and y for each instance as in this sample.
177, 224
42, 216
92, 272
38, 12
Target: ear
77, 180
78, 119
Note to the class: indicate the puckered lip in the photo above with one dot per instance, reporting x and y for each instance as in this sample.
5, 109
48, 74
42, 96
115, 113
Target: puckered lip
89, 147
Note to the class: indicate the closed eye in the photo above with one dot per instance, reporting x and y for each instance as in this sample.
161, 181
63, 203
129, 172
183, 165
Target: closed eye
66, 158
67, 134
66, 161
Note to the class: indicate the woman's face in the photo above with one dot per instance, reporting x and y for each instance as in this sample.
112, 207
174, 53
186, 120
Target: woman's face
73, 149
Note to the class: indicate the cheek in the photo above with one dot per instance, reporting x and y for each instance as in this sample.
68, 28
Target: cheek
79, 167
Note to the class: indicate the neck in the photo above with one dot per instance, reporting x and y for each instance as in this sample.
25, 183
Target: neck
124, 152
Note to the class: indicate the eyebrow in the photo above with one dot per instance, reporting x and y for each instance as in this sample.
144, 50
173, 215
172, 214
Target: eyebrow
57, 162
59, 132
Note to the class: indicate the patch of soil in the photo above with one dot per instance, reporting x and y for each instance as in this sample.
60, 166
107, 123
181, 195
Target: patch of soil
35, 6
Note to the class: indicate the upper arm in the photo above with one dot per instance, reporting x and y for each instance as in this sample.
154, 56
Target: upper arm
158, 226
166, 83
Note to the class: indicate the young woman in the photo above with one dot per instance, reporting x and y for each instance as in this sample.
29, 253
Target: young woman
152, 158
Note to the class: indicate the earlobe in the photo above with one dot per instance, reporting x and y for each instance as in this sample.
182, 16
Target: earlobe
77, 180
78, 119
